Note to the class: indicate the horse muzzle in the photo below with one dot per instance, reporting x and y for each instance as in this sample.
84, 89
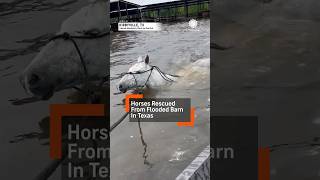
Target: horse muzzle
32, 84
122, 88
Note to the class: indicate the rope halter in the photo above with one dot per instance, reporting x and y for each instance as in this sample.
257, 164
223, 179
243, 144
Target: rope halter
67, 37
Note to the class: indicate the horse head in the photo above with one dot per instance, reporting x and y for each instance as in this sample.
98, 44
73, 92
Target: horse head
58, 65
137, 76
143, 75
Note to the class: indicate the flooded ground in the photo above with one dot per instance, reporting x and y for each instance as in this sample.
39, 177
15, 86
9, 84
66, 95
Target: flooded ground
24, 27
169, 148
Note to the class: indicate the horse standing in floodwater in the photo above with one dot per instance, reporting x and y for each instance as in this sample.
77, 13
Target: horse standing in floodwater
142, 75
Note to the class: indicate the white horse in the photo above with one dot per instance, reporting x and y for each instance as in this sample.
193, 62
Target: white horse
58, 65
142, 75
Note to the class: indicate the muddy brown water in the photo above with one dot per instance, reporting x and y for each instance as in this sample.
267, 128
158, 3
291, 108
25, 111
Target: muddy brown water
169, 148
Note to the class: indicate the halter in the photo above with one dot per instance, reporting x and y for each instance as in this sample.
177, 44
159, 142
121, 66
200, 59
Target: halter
163, 75
67, 36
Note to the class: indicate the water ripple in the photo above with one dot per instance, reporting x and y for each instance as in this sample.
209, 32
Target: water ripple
23, 6
34, 45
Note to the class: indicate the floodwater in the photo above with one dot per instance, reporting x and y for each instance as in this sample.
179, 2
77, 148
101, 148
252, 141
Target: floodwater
169, 148
24, 28
272, 72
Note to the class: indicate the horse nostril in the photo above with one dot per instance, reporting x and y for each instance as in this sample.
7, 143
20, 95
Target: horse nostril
120, 86
34, 78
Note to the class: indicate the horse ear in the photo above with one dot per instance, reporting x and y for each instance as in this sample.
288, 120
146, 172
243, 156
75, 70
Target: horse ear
146, 60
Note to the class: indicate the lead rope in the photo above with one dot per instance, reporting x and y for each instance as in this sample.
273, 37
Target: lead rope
145, 146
